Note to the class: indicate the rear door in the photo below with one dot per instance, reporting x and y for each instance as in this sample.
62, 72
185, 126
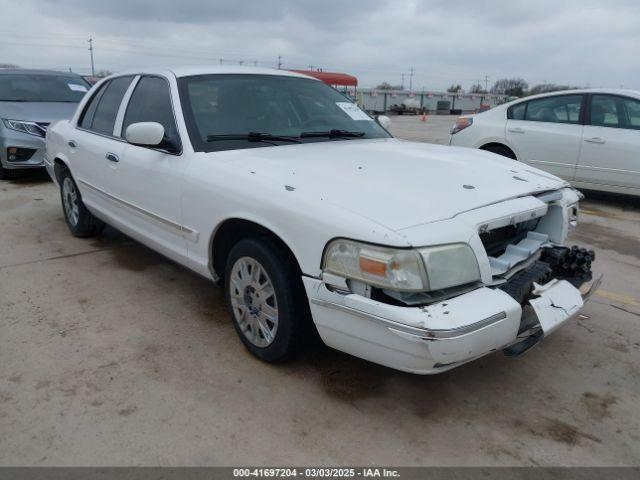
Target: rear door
547, 132
146, 180
611, 143
94, 146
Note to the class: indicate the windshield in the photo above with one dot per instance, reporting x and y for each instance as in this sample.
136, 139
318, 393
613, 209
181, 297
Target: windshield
225, 112
23, 87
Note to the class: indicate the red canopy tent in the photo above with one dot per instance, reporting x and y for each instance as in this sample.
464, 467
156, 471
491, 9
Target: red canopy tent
332, 78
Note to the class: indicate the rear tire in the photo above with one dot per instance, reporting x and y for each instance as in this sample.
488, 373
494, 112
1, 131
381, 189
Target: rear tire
500, 150
80, 220
266, 299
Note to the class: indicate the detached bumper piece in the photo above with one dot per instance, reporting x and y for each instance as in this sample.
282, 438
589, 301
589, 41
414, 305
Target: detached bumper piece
549, 293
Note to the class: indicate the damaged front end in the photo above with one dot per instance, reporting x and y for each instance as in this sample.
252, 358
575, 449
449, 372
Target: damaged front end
549, 292
525, 285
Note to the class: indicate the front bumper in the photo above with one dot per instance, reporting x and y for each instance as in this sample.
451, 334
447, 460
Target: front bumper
13, 139
441, 336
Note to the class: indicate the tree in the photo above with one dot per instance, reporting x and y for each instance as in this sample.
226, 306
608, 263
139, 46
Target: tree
8, 65
103, 73
388, 86
477, 88
511, 87
548, 87
454, 88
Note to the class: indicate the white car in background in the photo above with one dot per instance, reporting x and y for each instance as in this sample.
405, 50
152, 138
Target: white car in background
313, 217
590, 138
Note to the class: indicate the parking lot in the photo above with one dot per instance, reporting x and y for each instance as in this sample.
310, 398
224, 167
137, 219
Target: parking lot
112, 355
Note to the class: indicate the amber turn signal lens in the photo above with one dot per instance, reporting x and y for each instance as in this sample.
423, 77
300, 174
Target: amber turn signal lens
373, 267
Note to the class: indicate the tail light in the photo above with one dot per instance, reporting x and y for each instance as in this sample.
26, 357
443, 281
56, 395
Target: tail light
461, 124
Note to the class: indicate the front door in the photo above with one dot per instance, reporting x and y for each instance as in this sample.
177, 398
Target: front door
611, 143
147, 181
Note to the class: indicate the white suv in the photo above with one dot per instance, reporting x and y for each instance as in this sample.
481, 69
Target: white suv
588, 137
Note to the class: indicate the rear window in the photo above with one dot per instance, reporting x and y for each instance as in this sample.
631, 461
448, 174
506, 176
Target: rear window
20, 87
104, 118
516, 112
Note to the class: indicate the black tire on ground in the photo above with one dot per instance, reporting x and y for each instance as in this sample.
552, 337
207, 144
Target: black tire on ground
5, 174
294, 327
500, 150
86, 224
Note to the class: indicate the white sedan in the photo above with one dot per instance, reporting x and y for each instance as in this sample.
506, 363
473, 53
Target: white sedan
317, 221
589, 137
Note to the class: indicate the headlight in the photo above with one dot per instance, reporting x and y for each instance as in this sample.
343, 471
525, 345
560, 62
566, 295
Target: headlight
409, 270
30, 128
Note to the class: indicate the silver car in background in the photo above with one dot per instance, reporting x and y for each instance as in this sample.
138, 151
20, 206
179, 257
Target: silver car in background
30, 100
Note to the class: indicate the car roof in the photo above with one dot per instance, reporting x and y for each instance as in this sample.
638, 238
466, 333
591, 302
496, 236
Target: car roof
609, 91
188, 71
25, 71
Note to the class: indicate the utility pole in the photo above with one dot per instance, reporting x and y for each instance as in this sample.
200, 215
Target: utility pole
486, 83
279, 62
93, 68
411, 79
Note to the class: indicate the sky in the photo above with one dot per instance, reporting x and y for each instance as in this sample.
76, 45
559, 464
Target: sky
570, 42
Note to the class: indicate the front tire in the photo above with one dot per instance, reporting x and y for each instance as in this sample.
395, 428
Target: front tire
266, 299
80, 220
5, 174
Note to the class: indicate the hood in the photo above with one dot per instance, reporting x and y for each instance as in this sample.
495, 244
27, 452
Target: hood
395, 183
45, 112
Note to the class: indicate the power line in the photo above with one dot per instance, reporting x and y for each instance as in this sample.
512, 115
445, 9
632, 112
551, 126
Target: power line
93, 68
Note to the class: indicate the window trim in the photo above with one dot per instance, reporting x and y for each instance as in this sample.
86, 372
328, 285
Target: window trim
619, 97
173, 112
512, 107
99, 92
117, 126
102, 89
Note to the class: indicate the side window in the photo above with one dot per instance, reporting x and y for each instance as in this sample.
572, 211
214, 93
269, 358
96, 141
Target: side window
559, 109
90, 109
605, 111
151, 102
632, 108
516, 112
107, 110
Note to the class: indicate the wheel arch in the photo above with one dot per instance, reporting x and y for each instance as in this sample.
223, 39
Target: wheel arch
230, 231
488, 145
59, 164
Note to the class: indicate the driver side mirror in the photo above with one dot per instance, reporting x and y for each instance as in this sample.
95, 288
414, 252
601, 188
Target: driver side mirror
384, 121
148, 134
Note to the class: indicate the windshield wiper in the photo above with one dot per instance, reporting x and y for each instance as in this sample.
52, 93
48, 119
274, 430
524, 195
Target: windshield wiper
253, 137
333, 134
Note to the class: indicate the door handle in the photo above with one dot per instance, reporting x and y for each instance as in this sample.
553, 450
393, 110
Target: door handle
516, 130
594, 140
112, 157
72, 144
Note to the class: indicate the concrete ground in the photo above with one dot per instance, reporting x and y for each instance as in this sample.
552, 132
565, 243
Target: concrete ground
112, 355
